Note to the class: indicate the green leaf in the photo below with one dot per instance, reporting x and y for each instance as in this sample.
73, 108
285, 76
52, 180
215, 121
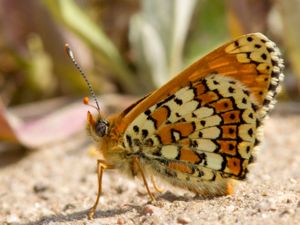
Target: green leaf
74, 18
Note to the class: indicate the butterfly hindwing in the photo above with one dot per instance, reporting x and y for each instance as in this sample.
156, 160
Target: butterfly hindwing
210, 124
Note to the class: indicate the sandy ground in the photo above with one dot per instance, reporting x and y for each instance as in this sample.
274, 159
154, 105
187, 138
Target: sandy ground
57, 184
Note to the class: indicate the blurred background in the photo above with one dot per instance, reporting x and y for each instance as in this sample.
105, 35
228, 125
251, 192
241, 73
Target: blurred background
126, 47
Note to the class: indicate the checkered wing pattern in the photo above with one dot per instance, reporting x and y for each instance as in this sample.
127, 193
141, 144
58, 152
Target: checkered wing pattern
204, 125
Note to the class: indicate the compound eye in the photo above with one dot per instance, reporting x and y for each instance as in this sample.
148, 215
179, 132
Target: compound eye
101, 128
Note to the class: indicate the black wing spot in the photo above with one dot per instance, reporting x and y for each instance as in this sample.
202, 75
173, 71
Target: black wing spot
216, 82
257, 46
248, 149
250, 115
203, 122
231, 147
244, 101
201, 173
147, 112
263, 40
249, 39
232, 116
231, 130
230, 89
136, 128
195, 144
129, 140
256, 142
274, 62
254, 106
200, 134
178, 101
250, 132
246, 92
264, 56
272, 87
267, 102
270, 50
144, 133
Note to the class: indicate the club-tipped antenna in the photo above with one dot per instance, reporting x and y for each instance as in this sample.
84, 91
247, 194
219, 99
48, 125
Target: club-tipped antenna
72, 57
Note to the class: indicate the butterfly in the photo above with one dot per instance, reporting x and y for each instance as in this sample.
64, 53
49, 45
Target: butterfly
199, 131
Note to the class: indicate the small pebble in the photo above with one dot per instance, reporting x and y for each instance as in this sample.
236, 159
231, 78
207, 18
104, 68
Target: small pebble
120, 221
183, 220
159, 204
266, 204
68, 207
264, 194
120, 189
230, 209
293, 181
287, 211
149, 209
38, 188
12, 219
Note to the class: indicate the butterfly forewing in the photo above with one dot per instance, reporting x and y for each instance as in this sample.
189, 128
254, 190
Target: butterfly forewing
252, 59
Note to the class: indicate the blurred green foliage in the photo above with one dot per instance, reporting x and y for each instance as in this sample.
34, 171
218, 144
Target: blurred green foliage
127, 46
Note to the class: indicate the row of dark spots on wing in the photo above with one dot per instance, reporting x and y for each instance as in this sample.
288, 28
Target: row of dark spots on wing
145, 132
244, 100
257, 46
237, 139
264, 56
274, 74
236, 164
275, 63
231, 116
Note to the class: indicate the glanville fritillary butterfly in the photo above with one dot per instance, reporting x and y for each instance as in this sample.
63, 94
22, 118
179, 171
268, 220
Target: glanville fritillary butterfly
201, 129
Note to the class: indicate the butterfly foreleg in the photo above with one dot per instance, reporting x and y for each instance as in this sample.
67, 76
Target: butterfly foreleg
137, 163
101, 166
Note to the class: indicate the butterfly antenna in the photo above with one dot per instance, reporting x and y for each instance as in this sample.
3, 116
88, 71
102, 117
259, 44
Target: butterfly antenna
72, 57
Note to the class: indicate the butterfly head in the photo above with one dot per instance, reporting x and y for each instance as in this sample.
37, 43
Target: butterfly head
96, 125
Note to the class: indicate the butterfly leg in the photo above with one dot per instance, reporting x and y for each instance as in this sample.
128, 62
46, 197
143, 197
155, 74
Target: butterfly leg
136, 161
158, 189
101, 166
